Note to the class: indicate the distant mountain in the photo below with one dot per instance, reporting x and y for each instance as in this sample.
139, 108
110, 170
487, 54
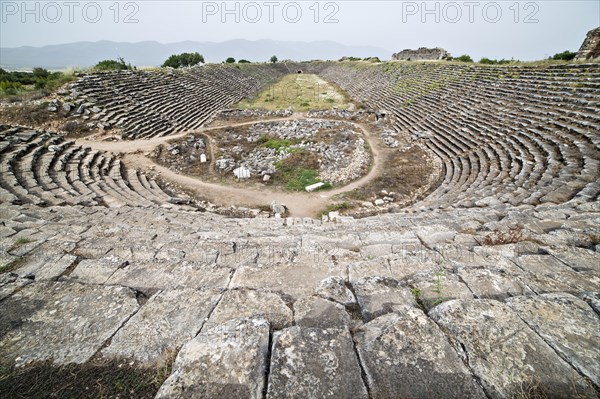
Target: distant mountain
86, 54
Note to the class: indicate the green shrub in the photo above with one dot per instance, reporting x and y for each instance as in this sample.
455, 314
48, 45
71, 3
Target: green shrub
10, 88
494, 62
230, 60
183, 60
40, 73
243, 62
112, 65
463, 58
565, 56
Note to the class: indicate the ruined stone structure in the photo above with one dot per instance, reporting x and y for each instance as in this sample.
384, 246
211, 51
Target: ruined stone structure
422, 53
590, 47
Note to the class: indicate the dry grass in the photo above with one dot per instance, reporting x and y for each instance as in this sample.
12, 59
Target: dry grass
99, 378
302, 92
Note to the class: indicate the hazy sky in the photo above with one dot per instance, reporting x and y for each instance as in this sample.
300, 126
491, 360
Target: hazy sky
524, 30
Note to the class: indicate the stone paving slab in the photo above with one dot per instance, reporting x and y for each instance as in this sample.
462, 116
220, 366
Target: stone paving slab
97, 271
434, 287
314, 363
49, 267
65, 322
377, 295
498, 281
567, 324
165, 322
296, 279
545, 274
168, 275
406, 355
253, 304
317, 312
334, 288
579, 259
227, 363
506, 355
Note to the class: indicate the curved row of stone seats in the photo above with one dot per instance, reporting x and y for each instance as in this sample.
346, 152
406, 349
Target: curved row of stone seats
44, 169
387, 306
157, 103
518, 134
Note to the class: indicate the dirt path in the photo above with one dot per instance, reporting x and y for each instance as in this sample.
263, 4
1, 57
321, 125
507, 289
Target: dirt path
299, 204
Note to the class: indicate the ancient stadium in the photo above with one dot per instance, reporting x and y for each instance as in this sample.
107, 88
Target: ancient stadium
323, 229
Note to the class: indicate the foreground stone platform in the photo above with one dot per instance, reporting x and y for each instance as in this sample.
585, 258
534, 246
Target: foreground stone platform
394, 306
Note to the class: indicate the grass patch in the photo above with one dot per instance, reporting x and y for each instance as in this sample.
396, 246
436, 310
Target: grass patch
301, 92
297, 171
22, 241
299, 178
13, 265
275, 144
342, 206
95, 379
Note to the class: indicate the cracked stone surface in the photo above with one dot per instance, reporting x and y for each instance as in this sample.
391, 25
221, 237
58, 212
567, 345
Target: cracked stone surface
296, 279
567, 324
438, 286
592, 299
497, 282
545, 273
504, 353
334, 288
579, 259
252, 304
164, 323
405, 354
314, 363
65, 322
97, 271
47, 267
377, 296
167, 275
223, 363
317, 312
139, 283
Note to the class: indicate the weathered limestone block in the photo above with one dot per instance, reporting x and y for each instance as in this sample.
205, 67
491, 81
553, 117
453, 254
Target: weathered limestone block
165, 322
405, 354
592, 299
498, 280
334, 288
314, 363
297, 279
432, 288
545, 273
435, 235
567, 324
376, 296
97, 271
66, 322
167, 275
317, 312
507, 356
237, 304
579, 259
46, 267
221, 363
